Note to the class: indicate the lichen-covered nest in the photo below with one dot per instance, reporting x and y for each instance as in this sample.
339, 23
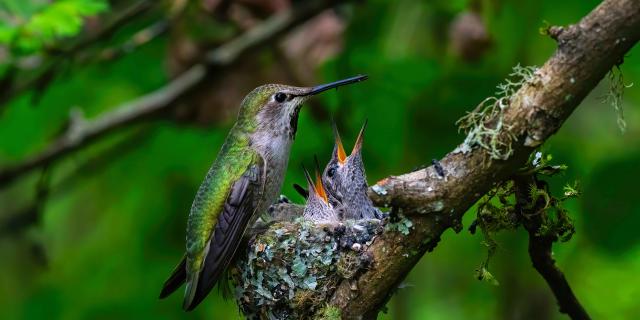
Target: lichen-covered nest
291, 270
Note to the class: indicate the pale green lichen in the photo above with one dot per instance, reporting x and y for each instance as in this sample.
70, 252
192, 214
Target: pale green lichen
485, 127
437, 206
290, 270
402, 225
614, 95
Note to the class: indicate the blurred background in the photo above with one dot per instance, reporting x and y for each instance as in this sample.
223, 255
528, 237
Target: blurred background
92, 223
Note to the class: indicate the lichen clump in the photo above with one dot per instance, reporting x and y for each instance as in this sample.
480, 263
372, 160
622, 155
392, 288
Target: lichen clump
485, 127
402, 224
292, 269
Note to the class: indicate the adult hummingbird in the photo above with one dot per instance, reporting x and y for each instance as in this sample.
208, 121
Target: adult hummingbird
243, 181
346, 182
317, 208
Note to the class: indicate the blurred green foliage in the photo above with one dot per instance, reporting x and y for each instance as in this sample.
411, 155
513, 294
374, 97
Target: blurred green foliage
29, 26
113, 225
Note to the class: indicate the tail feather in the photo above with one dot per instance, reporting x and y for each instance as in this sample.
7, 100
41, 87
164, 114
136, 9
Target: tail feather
191, 298
177, 278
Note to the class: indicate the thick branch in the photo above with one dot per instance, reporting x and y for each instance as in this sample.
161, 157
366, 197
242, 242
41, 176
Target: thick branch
586, 51
82, 132
540, 246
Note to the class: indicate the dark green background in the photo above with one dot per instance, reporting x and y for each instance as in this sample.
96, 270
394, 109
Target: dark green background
113, 226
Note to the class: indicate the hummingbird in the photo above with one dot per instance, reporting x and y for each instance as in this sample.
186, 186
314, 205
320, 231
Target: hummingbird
243, 181
317, 207
346, 182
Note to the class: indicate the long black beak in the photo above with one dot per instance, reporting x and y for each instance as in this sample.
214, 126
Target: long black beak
325, 87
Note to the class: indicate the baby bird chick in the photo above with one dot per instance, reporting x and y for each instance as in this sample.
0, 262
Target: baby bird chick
346, 181
318, 208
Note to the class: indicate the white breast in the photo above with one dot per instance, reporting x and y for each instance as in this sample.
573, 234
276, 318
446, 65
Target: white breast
275, 150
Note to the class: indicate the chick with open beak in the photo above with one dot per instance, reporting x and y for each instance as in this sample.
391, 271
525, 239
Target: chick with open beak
318, 208
346, 182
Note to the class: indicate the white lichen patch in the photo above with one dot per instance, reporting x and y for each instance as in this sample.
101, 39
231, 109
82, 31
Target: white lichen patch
379, 190
415, 175
485, 127
292, 269
436, 206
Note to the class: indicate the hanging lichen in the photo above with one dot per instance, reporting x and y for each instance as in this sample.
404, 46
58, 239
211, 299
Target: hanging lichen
485, 127
614, 95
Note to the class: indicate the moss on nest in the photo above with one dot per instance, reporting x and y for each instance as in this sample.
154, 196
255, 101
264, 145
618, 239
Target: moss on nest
292, 269
329, 312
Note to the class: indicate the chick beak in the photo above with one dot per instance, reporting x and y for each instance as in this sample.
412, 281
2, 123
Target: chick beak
358, 146
310, 183
319, 188
316, 187
339, 148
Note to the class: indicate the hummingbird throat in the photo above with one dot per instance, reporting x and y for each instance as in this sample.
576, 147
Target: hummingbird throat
293, 122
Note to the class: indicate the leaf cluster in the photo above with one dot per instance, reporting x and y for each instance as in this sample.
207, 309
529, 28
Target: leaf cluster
30, 27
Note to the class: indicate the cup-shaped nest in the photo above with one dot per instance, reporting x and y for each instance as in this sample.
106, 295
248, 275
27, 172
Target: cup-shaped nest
291, 270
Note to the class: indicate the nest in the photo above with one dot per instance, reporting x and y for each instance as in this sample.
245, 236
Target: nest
292, 269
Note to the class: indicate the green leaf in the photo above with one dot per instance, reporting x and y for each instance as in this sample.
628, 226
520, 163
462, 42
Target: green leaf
46, 24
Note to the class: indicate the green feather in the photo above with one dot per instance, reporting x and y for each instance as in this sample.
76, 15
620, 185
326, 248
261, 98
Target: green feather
232, 161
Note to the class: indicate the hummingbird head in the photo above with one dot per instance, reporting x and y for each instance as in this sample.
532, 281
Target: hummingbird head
275, 107
344, 175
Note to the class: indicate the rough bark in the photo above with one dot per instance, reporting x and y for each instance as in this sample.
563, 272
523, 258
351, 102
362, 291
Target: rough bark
586, 52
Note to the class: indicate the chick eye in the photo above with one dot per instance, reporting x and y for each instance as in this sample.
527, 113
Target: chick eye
331, 172
280, 97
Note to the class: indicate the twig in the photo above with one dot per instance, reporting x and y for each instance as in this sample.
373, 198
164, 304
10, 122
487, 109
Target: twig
540, 247
138, 39
32, 214
81, 133
15, 223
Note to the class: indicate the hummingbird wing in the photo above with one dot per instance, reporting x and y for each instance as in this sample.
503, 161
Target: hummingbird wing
205, 267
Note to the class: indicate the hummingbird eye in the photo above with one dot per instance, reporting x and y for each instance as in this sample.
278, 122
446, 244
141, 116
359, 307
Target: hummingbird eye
280, 97
331, 172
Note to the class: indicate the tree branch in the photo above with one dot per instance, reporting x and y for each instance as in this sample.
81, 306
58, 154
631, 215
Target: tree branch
586, 51
540, 246
81, 132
